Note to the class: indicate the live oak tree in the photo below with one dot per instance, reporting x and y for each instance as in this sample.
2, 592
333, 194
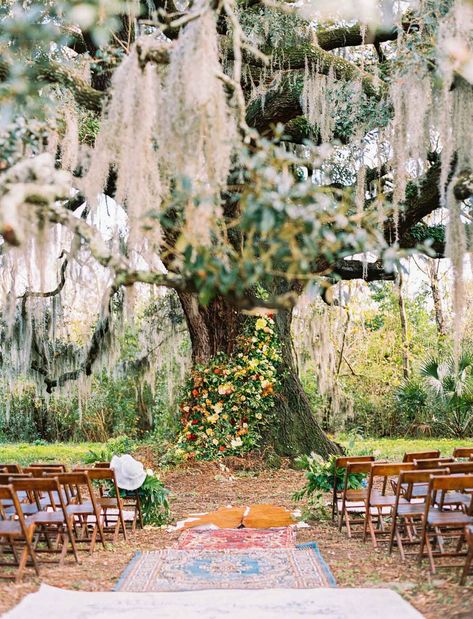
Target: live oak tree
254, 146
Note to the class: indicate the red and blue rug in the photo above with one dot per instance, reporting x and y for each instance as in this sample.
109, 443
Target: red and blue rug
221, 539
172, 569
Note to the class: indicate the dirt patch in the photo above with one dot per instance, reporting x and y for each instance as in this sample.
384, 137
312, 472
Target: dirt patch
205, 487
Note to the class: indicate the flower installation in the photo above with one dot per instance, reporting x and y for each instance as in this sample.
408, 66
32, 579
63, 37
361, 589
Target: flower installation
229, 402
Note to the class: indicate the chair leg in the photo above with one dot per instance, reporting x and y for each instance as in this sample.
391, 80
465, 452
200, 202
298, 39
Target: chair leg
430, 554
347, 521
140, 511
372, 531
122, 520
341, 516
466, 567
22, 564
392, 534
31, 552
72, 540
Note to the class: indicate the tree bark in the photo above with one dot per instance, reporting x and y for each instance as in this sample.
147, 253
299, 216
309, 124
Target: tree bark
432, 269
404, 329
215, 329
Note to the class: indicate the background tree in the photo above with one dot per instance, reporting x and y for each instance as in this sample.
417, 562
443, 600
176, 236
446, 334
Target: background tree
253, 147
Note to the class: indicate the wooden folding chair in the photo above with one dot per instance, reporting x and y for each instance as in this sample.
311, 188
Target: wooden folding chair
380, 504
53, 522
441, 526
105, 479
457, 500
351, 512
27, 502
51, 471
463, 452
469, 556
15, 532
340, 464
82, 506
406, 515
426, 464
410, 456
131, 500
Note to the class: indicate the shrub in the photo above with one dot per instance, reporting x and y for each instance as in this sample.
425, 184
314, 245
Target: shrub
154, 500
440, 399
320, 474
113, 447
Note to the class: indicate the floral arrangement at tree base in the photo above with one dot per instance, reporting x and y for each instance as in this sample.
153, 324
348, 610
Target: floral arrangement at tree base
229, 402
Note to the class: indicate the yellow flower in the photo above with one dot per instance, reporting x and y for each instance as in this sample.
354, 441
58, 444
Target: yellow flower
261, 323
218, 407
259, 416
209, 431
226, 389
213, 418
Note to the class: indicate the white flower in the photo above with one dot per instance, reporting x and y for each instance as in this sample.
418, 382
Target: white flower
150, 472
237, 442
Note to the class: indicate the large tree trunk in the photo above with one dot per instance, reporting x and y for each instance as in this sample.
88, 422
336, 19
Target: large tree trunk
214, 329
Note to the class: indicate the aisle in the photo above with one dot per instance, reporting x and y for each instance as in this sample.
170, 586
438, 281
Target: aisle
238, 573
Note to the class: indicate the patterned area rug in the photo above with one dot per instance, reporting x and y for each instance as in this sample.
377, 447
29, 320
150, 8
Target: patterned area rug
220, 539
186, 570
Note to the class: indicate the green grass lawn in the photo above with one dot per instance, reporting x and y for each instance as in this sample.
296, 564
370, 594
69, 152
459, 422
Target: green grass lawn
26, 453
393, 449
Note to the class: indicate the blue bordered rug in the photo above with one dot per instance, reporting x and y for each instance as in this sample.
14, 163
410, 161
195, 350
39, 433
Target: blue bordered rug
171, 569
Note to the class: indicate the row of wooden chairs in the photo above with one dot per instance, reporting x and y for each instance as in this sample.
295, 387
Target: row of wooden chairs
46, 509
425, 500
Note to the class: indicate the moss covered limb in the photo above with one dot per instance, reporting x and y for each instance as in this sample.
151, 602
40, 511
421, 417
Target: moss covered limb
53, 72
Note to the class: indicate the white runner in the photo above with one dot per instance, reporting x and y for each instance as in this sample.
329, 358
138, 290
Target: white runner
52, 603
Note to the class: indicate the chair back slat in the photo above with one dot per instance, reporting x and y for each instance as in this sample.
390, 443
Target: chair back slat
48, 465
463, 452
40, 484
432, 463
419, 477
6, 477
341, 463
102, 465
420, 455
97, 473
358, 467
390, 469
39, 471
461, 467
11, 468
452, 482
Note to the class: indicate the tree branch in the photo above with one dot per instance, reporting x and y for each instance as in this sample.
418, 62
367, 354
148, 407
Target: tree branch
52, 72
357, 269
